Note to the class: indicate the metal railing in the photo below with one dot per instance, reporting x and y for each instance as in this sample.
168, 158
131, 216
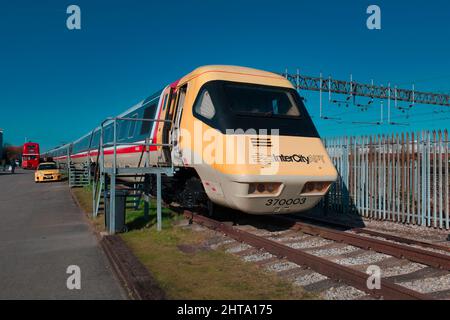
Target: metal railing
115, 143
402, 177
136, 171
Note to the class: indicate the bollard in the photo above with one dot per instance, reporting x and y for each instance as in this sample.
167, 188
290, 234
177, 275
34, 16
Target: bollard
119, 214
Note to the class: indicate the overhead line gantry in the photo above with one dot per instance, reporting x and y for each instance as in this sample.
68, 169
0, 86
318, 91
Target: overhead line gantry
353, 88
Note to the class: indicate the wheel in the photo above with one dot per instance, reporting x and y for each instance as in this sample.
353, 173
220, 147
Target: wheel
193, 194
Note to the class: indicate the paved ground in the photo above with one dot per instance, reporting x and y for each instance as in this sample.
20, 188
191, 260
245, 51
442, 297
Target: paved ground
42, 232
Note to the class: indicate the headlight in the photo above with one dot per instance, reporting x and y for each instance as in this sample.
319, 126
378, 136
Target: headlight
264, 188
316, 187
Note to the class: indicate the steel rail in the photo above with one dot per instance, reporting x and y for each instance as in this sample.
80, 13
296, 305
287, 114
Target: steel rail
429, 258
377, 234
401, 239
352, 277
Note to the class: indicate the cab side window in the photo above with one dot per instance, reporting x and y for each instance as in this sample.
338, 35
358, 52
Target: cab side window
181, 98
204, 105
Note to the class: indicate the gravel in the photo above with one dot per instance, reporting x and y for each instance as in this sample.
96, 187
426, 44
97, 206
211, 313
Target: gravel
265, 233
333, 251
258, 257
291, 238
222, 243
427, 285
315, 242
238, 248
366, 258
417, 232
282, 266
309, 278
399, 270
342, 293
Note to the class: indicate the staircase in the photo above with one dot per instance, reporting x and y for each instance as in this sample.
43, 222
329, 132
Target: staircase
79, 177
134, 197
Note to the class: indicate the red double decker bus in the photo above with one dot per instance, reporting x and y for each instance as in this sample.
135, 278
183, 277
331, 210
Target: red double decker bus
30, 155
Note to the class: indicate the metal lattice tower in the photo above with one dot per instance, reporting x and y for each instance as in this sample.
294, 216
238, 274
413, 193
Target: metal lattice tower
352, 88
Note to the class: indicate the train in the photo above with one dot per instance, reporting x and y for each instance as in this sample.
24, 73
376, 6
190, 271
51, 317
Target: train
236, 137
30, 155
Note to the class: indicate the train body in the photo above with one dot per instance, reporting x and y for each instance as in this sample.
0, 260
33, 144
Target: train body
238, 137
30, 155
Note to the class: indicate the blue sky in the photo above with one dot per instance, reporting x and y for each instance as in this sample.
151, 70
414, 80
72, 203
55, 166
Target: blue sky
56, 84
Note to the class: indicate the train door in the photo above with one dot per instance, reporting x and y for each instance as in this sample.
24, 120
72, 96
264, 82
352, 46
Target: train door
175, 133
174, 100
168, 126
164, 128
168, 132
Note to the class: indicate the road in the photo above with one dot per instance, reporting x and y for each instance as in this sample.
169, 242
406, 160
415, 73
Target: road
42, 232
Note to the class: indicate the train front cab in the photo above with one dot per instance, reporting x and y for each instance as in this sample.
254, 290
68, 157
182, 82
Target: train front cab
288, 171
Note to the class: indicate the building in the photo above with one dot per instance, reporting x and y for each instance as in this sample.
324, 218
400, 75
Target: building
1, 143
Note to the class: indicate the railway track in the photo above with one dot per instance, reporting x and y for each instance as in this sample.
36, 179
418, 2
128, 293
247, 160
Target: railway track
358, 230
439, 263
426, 257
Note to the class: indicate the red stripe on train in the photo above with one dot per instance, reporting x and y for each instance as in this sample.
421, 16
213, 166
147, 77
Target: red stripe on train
127, 150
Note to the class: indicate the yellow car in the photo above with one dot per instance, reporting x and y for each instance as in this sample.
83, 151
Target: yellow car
47, 171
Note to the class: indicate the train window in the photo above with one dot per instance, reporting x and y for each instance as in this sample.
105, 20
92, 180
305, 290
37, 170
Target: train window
132, 126
107, 136
85, 144
95, 140
261, 100
123, 126
232, 105
148, 114
182, 97
204, 105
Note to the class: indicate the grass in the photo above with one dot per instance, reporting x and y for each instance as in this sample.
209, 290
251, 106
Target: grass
199, 272
203, 274
84, 197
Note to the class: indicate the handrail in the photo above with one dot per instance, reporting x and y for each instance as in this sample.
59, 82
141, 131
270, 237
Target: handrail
115, 143
138, 144
135, 170
133, 119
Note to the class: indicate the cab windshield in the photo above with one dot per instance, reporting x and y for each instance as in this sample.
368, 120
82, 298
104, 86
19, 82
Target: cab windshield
261, 101
228, 105
47, 166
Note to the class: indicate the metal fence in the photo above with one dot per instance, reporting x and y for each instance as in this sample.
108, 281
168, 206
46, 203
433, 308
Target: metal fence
402, 177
